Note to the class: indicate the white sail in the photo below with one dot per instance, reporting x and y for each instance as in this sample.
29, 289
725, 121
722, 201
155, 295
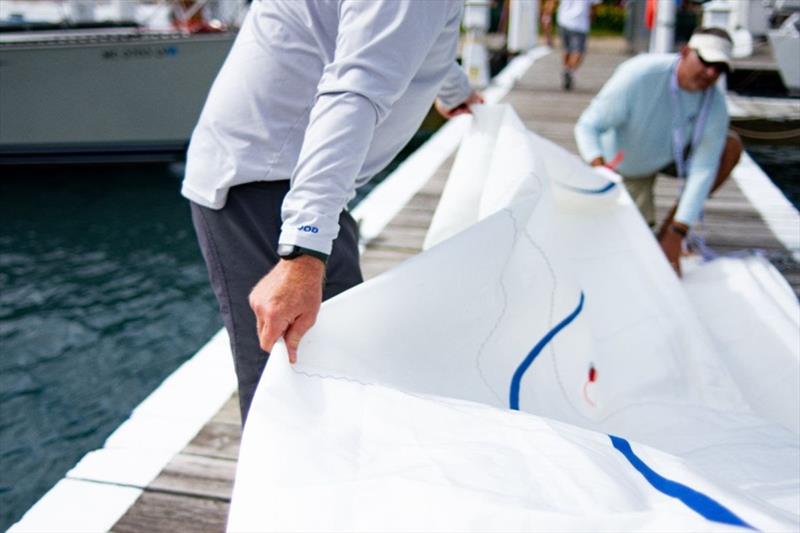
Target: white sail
539, 367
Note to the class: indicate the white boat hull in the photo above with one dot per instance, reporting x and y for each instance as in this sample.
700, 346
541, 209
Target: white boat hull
104, 97
785, 43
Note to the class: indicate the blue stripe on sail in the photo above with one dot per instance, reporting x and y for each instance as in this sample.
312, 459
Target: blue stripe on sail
696, 501
703, 505
605, 188
513, 395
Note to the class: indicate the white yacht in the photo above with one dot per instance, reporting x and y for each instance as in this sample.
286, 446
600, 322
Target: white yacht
785, 42
92, 90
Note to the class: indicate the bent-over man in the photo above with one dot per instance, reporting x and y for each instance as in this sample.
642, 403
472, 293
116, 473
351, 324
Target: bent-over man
664, 113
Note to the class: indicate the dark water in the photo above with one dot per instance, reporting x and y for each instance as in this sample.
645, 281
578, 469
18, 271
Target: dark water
750, 82
782, 164
103, 293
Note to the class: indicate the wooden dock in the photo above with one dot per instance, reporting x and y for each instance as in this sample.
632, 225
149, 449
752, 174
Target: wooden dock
193, 492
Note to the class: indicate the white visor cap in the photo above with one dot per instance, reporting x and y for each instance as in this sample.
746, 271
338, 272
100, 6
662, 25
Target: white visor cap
712, 48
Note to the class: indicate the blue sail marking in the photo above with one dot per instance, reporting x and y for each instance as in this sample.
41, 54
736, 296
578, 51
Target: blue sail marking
605, 188
516, 380
698, 502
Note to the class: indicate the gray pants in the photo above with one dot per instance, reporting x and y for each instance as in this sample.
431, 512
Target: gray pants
239, 244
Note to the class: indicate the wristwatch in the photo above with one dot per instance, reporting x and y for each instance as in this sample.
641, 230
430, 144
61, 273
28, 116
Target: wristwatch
291, 251
680, 230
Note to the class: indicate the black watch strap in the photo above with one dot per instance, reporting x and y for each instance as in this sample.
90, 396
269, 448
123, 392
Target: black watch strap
291, 251
682, 231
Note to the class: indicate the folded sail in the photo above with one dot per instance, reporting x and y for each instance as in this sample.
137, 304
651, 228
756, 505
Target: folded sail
538, 367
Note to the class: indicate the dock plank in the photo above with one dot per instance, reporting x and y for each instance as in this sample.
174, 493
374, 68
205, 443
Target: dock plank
197, 475
219, 440
157, 512
192, 493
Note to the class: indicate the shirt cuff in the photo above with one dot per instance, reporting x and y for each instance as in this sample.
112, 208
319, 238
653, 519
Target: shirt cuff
592, 156
306, 239
456, 89
685, 220
589, 145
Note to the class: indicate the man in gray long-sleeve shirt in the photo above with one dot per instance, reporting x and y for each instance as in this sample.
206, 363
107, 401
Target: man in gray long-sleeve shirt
315, 97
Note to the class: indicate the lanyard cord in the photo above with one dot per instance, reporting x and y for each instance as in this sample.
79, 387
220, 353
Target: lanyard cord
681, 162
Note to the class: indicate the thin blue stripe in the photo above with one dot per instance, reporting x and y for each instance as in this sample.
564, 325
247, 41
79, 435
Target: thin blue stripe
697, 501
516, 380
610, 185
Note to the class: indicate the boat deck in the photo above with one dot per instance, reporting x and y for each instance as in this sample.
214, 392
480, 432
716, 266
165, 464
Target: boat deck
193, 491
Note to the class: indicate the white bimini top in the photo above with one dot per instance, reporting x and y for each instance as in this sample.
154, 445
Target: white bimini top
325, 92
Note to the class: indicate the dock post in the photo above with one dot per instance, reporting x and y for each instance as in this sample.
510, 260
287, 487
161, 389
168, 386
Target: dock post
474, 56
662, 40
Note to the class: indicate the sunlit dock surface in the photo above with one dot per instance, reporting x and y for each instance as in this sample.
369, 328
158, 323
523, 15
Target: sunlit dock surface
193, 491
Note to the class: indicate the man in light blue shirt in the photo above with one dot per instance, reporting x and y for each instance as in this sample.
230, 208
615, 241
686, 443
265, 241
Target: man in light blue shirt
661, 110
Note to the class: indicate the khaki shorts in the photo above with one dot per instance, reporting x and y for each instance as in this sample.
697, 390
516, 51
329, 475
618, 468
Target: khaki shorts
642, 190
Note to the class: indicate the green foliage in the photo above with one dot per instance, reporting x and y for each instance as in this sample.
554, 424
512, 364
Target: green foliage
609, 19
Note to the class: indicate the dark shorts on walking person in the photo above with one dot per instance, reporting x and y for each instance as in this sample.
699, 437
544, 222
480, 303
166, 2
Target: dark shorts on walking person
572, 41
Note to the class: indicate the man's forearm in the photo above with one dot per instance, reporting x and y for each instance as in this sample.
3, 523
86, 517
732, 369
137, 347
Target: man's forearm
588, 140
333, 152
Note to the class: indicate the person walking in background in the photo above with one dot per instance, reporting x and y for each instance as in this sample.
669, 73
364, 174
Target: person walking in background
665, 113
548, 9
574, 20
313, 99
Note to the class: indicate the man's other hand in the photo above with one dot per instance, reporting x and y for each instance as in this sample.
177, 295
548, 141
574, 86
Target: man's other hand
463, 108
672, 244
286, 302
